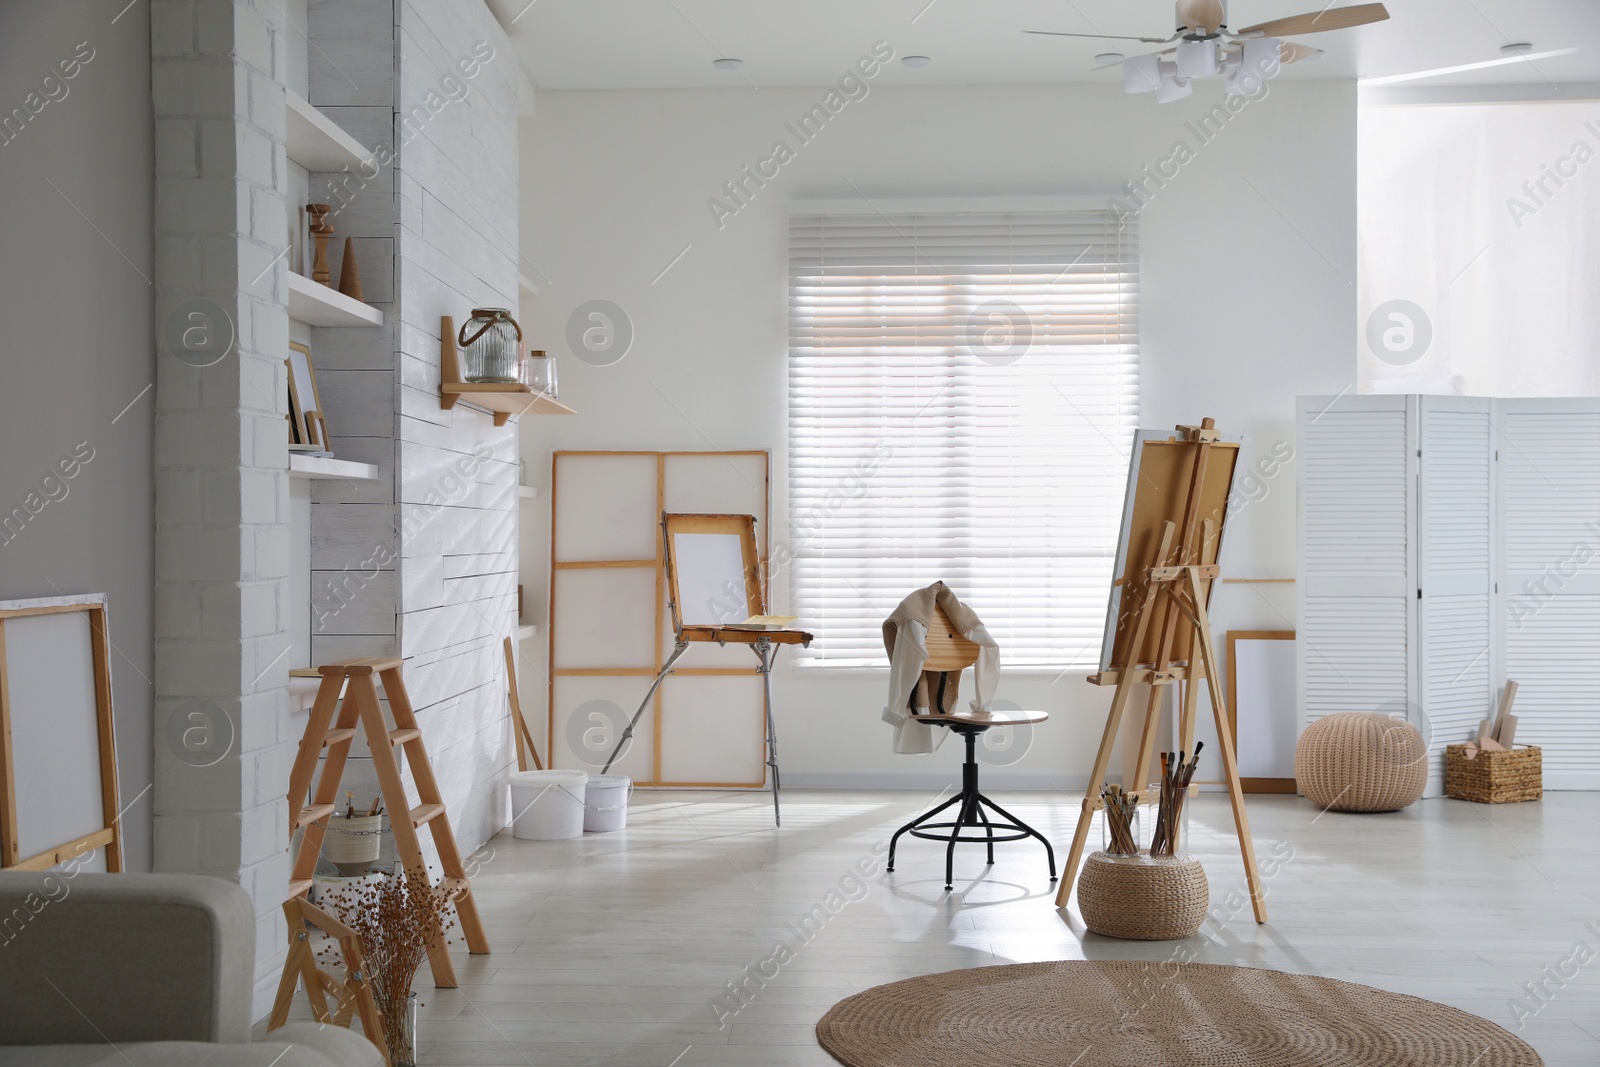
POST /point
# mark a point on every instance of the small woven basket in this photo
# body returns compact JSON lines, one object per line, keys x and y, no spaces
{"x":1494,"y":777}
{"x":1143,"y":897}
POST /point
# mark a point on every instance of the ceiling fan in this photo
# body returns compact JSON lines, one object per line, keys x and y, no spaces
{"x":1203,"y":46}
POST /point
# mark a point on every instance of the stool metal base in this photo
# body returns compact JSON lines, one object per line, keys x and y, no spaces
{"x":971,"y":815}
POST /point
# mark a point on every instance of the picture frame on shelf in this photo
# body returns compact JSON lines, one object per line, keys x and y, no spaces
{"x":308,"y":430}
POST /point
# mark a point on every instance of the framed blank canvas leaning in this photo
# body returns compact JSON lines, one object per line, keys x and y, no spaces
{"x":307,"y":428}
{"x":58,"y":760}
{"x":1261,"y":707}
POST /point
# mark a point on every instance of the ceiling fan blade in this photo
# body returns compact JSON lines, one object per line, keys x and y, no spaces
{"x":1099,"y":36}
{"x":1290,"y":52}
{"x":1339,"y":18}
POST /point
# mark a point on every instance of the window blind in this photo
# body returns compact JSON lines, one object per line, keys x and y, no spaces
{"x":963,"y":393}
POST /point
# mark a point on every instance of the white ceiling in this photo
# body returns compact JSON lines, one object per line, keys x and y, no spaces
{"x":649,"y":44}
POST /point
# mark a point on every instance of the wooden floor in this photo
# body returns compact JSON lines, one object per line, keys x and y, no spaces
{"x":625,"y":948}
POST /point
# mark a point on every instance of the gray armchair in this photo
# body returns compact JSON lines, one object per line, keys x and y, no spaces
{"x":141,"y":969}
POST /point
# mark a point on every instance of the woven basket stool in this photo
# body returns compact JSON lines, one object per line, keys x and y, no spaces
{"x":1357,"y":761}
{"x":1143,"y":897}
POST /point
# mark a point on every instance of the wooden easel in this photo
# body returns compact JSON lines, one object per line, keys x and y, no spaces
{"x":354,"y":994}
{"x":519,"y":725}
{"x":1173,"y":591}
{"x":360,"y":707}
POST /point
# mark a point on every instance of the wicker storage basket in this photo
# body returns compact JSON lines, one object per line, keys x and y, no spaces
{"x":1494,"y":777}
{"x":1143,"y":897}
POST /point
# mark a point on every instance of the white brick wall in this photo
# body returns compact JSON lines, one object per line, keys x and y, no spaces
{"x":221,"y":484}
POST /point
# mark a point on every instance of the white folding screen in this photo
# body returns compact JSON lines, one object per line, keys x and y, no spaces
{"x":1445,"y":546}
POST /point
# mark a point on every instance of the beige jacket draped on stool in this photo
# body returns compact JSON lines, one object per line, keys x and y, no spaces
{"x":913,"y":691}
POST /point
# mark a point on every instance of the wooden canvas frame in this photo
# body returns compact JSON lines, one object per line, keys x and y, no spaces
{"x":657,"y":563}
{"x":1251,"y":785}
{"x":740,"y":526}
{"x":109,"y":835}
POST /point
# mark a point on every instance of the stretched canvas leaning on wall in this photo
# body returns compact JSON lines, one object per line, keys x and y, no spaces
{"x":58,"y":758}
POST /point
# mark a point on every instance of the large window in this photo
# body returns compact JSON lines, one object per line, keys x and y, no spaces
{"x":963,"y":392}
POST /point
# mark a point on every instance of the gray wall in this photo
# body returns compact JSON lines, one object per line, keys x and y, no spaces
{"x":77,"y":338}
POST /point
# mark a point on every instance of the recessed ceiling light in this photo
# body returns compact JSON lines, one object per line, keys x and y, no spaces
{"x":727,"y":64}
{"x":915,"y":61}
{"x":1106,"y":58}
{"x":1516,"y":48}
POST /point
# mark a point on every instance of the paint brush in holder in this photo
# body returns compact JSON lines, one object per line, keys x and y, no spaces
{"x":1121,"y":821}
{"x":1176,"y":773}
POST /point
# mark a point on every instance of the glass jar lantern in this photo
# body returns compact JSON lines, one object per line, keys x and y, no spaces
{"x":490,"y":341}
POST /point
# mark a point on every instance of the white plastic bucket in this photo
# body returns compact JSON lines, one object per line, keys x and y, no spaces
{"x":605,"y":805}
{"x":547,"y":805}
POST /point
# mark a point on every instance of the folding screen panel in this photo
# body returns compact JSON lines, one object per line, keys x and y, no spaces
{"x":1357,"y":554}
{"x":610,"y":628}
{"x":1549,"y":485}
{"x":1455,"y":543}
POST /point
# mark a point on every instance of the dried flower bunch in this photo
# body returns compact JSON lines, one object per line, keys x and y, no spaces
{"x":396,"y":917}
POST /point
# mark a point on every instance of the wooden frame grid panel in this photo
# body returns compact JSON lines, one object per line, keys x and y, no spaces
{"x":657,"y":563}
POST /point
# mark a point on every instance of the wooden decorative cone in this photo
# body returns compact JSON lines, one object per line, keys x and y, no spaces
{"x":321,"y":230}
{"x":350,"y":272}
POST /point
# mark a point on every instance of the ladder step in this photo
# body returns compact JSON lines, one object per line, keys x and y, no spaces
{"x":335,"y":737}
{"x":400,"y":737}
{"x":312,"y":813}
{"x":299,"y":887}
{"x":424,"y":812}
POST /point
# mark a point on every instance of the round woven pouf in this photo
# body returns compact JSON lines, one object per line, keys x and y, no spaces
{"x":1143,"y":897}
{"x":1356,"y":761}
{"x":1118,"y":1013}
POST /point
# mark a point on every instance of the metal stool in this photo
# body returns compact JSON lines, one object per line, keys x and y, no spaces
{"x":971,"y":814}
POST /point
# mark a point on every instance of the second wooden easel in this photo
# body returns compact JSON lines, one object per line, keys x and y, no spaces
{"x":1161,"y":610}
{"x":360,"y":709}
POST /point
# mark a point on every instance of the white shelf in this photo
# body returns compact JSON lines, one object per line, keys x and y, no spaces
{"x":528,"y":492}
{"x":316,"y":304}
{"x":302,"y":466}
{"x":523,"y":633}
{"x":316,"y":142}
{"x":526,"y":287}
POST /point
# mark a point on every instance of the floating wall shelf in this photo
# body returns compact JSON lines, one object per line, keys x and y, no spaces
{"x":324,"y":467}
{"x":502,"y":399}
{"x":316,"y":142}
{"x":526,"y":287}
{"x":526,"y":633}
{"x":316,"y":304}
{"x":528,"y":492}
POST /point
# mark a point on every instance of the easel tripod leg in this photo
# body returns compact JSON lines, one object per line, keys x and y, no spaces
{"x":666,"y":668}
{"x":767,"y":652}
{"x":1230,"y":765}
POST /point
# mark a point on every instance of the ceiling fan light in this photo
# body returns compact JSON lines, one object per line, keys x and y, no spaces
{"x":1263,"y":56}
{"x":1197,"y":59}
{"x":1141,"y":74}
{"x":1173,"y":88}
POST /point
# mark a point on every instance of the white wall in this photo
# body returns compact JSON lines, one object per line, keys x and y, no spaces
{"x":1247,"y":301}
{"x":77,"y":312}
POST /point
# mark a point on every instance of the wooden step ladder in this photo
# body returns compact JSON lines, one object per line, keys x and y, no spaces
{"x":360,"y":709}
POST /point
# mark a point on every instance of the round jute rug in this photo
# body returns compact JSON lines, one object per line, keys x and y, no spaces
{"x":1118,"y":1013}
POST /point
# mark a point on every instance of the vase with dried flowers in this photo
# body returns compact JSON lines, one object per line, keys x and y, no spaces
{"x":396,"y":918}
